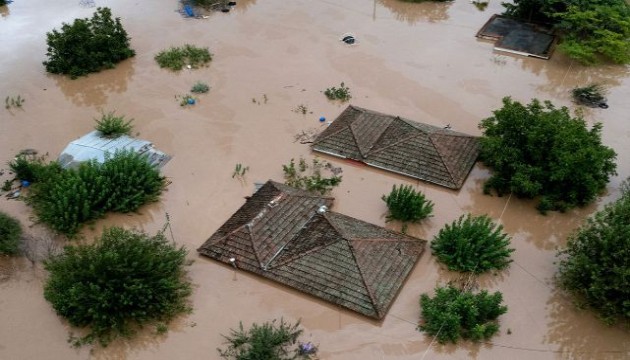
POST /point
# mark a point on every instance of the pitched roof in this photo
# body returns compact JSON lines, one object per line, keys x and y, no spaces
{"x":280,"y":234}
{"x":418,"y":150}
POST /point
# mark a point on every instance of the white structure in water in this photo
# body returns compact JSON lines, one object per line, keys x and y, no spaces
{"x":96,"y":146}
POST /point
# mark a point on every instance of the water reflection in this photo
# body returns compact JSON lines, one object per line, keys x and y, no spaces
{"x":414,"y":12}
{"x":94,"y":89}
{"x":580,"y":334}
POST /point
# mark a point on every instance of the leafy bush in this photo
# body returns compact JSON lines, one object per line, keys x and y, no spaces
{"x":88,"y":45}
{"x":595,"y":264}
{"x":33,"y":168}
{"x":453,"y":314}
{"x":298,"y":178}
{"x":591,"y":95}
{"x":472,"y":244}
{"x":176,"y":57}
{"x":269,"y":341}
{"x":113,"y":126}
{"x":407,"y":205}
{"x":123,"y":280}
{"x":539,"y":150}
{"x":200,"y":88}
{"x":10,"y":233}
{"x":590,"y":30}
{"x":122,"y":183}
{"x":342,"y":93}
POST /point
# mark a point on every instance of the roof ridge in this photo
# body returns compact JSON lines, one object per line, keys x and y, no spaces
{"x":266,"y":266}
{"x":441,"y":156}
{"x":354,"y":257}
{"x":349,"y":107}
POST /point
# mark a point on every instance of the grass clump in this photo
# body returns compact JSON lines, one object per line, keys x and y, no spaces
{"x":310,"y":177}
{"x":454,"y":314}
{"x":341,"y":93}
{"x":15,"y":102}
{"x":10,"y":234}
{"x":124,"y":280}
{"x":112,"y":126}
{"x":177,"y":57}
{"x":407,"y":205}
{"x":270,"y":341}
{"x":64,"y":199}
{"x":200,"y":88}
{"x":472,"y":244}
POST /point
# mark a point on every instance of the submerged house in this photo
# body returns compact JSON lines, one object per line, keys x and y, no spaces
{"x":95,"y":146}
{"x":421,"y":151}
{"x":289,"y":236}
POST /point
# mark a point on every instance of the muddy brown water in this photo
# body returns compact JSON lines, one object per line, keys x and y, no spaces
{"x":420,"y":61}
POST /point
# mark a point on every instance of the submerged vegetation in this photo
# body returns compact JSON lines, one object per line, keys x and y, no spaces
{"x":472,"y":244}
{"x":310,"y":177}
{"x":176,"y":58}
{"x":538,"y":150}
{"x":113,"y":126}
{"x":124,"y":280}
{"x":594,"y":266}
{"x":590,"y":95}
{"x":13,"y":102}
{"x":453,"y":314}
{"x":341,"y":93}
{"x":10,"y":234}
{"x":407,"y":205}
{"x":270,"y":341}
{"x":200,"y":88}
{"x":88,"y":45}
{"x":64,"y":199}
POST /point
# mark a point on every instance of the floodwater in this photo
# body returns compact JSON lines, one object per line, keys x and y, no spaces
{"x":419,"y":61}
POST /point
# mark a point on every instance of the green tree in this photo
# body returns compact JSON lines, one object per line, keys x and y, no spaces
{"x":407,"y":205}
{"x":472,"y":244}
{"x":595,"y":266}
{"x":124,"y":280}
{"x":539,"y":150}
{"x":113,"y":126}
{"x":10,"y":233}
{"x":453,"y":314}
{"x":88,"y":45}
{"x":589,"y":30}
{"x":269,"y":341}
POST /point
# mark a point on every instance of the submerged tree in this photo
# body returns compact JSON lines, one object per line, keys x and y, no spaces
{"x":87,"y":45}
{"x":537,"y":150}
{"x":407,"y":205}
{"x":472,"y":244}
{"x":596,"y":263}
{"x":10,"y":233}
{"x":124,"y":280}
{"x":453,"y":314}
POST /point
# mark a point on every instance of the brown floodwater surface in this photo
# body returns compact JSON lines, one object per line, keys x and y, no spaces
{"x":419,"y":61}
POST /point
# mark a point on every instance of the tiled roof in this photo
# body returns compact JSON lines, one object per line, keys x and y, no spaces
{"x":280,"y":234}
{"x":421,"y":151}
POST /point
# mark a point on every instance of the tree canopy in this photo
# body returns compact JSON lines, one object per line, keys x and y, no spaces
{"x":595,"y":266}
{"x":10,"y":233}
{"x":87,"y":45}
{"x":123,"y":280}
{"x":538,"y":150}
{"x":590,"y":29}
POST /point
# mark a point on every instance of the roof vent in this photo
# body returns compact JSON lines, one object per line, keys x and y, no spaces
{"x":322,"y":209}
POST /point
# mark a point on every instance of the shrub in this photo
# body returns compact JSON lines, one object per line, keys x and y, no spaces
{"x":33,"y":168}
{"x":113,"y":126}
{"x":88,"y":45}
{"x":269,"y":341}
{"x":176,"y":57}
{"x":342,"y":93}
{"x":539,"y":150}
{"x":594,"y":266}
{"x":298,"y":176}
{"x":123,"y":183}
{"x":472,"y":244}
{"x":407,"y":205}
{"x":453,"y":314}
{"x":200,"y":88}
{"x":124,"y":280}
{"x":10,"y":233}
